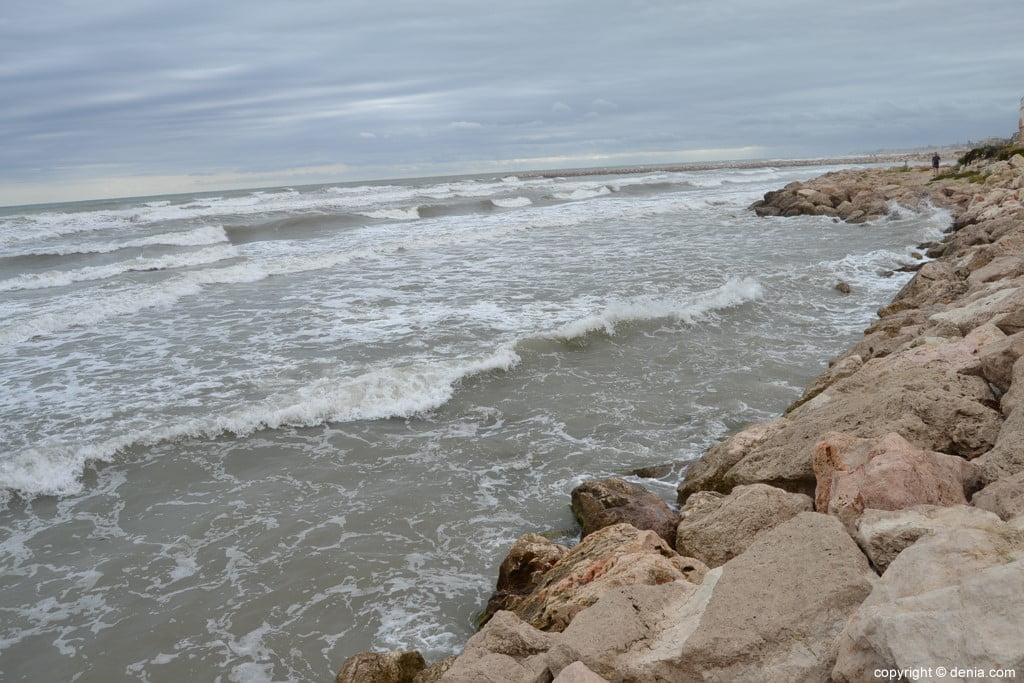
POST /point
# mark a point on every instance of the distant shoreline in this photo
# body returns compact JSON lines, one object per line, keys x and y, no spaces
{"x":891,"y":157}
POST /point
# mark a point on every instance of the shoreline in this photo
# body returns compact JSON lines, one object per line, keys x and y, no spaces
{"x":881,"y":158}
{"x":884,"y":509}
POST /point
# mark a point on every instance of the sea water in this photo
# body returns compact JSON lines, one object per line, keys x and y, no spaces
{"x":246,"y":435}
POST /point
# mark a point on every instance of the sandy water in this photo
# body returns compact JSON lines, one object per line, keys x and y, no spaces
{"x":247,"y":435}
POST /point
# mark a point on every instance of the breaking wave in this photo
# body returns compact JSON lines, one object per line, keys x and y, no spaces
{"x":388,"y":392}
{"x":511,"y":202}
{"x":406,"y":214}
{"x":60,"y":278}
{"x":733,"y":293}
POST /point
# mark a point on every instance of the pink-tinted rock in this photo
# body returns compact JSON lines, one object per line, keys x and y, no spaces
{"x":933,"y":407}
{"x":886,"y":474}
{"x":615,"y":556}
{"x":522,"y":570}
{"x":958,"y":355}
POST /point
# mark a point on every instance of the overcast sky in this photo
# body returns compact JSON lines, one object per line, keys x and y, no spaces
{"x":127,"y":97}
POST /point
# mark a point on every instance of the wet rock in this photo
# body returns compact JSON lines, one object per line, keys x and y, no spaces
{"x":611,"y":557}
{"x":522,"y":570}
{"x":707,"y":473}
{"x":604,"y":502}
{"x":381,"y":667}
{"x":715,"y":528}
{"x":656,"y":471}
{"x":843,"y":288}
{"x":435,"y":672}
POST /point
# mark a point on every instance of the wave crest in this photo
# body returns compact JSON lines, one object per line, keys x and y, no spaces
{"x":388,"y":392}
{"x":735,"y":292}
{"x":511,"y":202}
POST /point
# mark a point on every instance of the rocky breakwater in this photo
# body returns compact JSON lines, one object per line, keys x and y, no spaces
{"x":877,"y":525}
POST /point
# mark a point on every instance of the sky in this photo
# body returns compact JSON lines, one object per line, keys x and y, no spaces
{"x":112,"y":98}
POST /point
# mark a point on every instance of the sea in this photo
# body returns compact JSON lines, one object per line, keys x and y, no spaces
{"x":247,"y":434}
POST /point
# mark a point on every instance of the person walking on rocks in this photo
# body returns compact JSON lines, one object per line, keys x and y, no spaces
{"x":935,"y":163}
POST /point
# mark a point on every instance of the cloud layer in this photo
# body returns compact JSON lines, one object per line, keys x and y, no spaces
{"x":134,"y":88}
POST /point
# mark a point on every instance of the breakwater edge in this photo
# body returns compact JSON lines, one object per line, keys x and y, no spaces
{"x":876,"y":526}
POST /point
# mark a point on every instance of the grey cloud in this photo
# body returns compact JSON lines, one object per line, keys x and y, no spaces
{"x":189,"y":87}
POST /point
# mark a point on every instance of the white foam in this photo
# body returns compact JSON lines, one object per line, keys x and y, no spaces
{"x":59,"y":278}
{"x":85,"y":310}
{"x":285,"y":258}
{"x":206,"y":234}
{"x":406,"y":214}
{"x":583,"y":193}
{"x":735,"y":292}
{"x":393,"y":391}
{"x":511,"y":202}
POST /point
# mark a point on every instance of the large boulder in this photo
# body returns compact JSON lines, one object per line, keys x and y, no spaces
{"x":522,"y":570}
{"x":381,"y":667}
{"x":955,"y":598}
{"x":961,"y":355}
{"x":611,"y":557}
{"x":715,"y":528}
{"x":934,"y":407}
{"x":776,"y":610}
{"x":772,"y":613}
{"x":936,"y":282}
{"x":884,"y":534}
{"x":706,"y":474}
{"x":887,"y":473}
{"x":603,"y":502}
